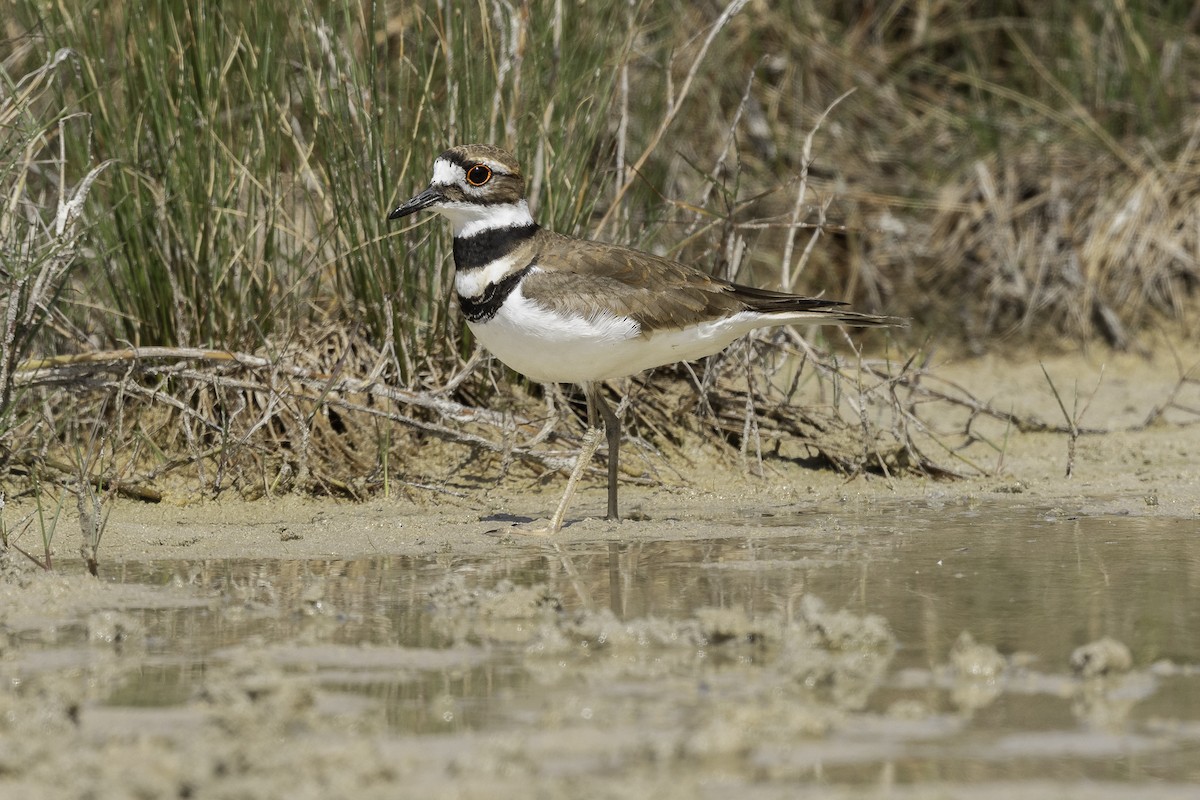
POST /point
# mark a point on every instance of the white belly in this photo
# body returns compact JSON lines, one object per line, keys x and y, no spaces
{"x":554,"y":348}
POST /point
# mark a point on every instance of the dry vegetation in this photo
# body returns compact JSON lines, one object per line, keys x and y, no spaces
{"x":200,"y":290}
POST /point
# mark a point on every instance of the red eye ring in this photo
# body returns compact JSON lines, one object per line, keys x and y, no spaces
{"x":479,"y":174}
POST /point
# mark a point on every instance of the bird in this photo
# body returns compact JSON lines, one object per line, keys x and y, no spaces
{"x":561,"y":309}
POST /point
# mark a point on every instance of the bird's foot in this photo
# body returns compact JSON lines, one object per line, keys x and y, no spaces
{"x":537,"y":527}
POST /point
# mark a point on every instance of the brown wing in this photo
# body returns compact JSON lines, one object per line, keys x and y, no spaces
{"x":657,"y":292}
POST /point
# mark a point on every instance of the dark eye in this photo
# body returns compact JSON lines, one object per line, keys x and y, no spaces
{"x":478,"y":175}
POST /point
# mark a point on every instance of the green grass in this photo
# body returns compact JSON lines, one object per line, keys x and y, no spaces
{"x":256,"y":147}
{"x":238,"y":161}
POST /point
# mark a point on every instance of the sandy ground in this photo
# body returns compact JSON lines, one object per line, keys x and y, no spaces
{"x":1127,"y":469}
{"x":258,"y":727}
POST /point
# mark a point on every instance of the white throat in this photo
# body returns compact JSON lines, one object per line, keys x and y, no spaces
{"x":468,"y":219}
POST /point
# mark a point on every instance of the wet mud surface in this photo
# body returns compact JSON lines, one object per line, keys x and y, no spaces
{"x":916,"y":650}
{"x":799,"y":635}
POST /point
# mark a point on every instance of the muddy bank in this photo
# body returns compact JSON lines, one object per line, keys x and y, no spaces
{"x":800,"y":634}
{"x":933,"y":651}
{"x":1125,"y":469}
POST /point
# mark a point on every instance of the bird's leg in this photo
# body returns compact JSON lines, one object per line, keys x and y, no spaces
{"x":587,"y":449}
{"x":612,"y":428}
{"x":591,"y":405}
{"x":591,"y":441}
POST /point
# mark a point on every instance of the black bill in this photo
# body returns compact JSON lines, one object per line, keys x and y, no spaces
{"x":425,"y":199}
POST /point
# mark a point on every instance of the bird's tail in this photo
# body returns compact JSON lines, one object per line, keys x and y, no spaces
{"x":833,"y":315}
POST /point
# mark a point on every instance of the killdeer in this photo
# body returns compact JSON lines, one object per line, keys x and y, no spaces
{"x":558,"y":309}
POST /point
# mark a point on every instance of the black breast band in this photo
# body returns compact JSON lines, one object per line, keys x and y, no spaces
{"x":483,"y":248}
{"x":485,"y":306}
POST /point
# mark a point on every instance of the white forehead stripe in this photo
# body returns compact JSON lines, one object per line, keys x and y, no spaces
{"x":447,"y":173}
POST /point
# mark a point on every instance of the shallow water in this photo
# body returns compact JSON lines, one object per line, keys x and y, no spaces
{"x":719,"y":661}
